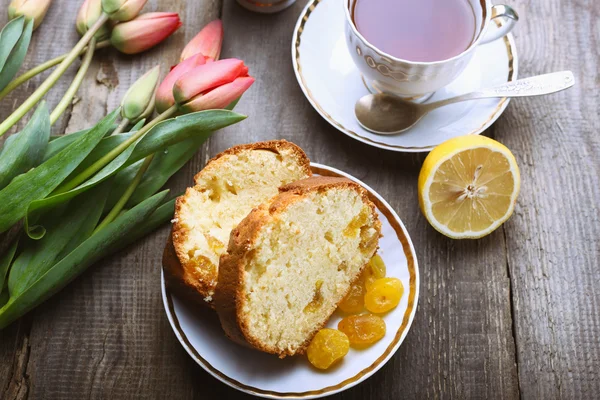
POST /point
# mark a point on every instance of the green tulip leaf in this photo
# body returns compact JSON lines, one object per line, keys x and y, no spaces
{"x":57,"y":143}
{"x":66,"y":229}
{"x":180,"y":128}
{"x":55,"y":199}
{"x":77,"y":261}
{"x":105,"y":145}
{"x":9,"y":36}
{"x":160,"y":216}
{"x":37,"y":183}
{"x":4,"y":296}
{"x":164,"y":165}
{"x":5,"y":261}
{"x":17,"y":55}
{"x":24,"y":150}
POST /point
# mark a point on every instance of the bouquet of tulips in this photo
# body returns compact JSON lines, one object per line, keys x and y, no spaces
{"x":66,"y":201}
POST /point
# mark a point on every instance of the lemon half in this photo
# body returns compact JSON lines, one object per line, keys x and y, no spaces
{"x":468,"y":186}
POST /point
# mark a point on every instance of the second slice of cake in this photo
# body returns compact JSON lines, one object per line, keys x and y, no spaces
{"x":292,"y":260}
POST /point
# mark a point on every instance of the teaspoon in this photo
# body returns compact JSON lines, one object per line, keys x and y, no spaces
{"x":387,"y":115}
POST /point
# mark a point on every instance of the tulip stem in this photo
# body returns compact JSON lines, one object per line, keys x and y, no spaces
{"x":121,"y":127}
{"x":70,"y":93}
{"x":118,"y":207}
{"x":111,"y":155}
{"x":53,"y":78}
{"x":21,"y":79}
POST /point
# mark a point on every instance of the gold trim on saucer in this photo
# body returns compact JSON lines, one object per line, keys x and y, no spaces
{"x":406,"y":320}
{"x":303,"y":19}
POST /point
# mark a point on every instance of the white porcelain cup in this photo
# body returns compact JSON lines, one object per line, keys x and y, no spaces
{"x":385,"y":73}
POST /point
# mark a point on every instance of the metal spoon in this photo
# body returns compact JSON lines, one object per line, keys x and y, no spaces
{"x":387,"y":115}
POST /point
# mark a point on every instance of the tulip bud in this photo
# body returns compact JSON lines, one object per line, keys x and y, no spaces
{"x":88,"y":14}
{"x":140,"y":95}
{"x":212,"y":85}
{"x":164,"y":93}
{"x":123,"y":10}
{"x":219,"y":97}
{"x":35,"y":9}
{"x":208,"y":42}
{"x":144,"y":31}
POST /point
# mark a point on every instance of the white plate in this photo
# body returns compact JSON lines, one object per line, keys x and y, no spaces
{"x":265,"y":375}
{"x":333,"y":84}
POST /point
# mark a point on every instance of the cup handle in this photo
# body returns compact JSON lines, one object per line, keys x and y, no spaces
{"x":510,"y":17}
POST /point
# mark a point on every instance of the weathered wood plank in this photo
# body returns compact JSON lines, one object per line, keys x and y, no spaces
{"x":553,"y":240}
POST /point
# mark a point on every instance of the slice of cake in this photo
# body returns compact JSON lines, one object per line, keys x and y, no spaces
{"x":292,"y":260}
{"x":225,"y":191}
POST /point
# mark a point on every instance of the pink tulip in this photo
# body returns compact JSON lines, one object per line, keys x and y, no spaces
{"x":219,"y":97}
{"x":212,"y":85}
{"x":144,"y":31}
{"x":208,"y":42}
{"x":164,"y":93}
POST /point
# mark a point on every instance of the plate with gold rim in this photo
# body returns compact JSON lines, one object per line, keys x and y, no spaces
{"x":265,"y":375}
{"x":332,"y":83}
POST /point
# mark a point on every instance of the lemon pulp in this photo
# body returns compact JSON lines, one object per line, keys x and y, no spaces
{"x":468,"y":186}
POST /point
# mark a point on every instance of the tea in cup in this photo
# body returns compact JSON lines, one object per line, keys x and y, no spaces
{"x":411,"y":48}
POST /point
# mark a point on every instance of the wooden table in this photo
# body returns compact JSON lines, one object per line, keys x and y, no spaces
{"x":515,"y":314}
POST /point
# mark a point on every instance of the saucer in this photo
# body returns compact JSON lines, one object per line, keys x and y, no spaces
{"x":332,"y":83}
{"x":265,"y":375}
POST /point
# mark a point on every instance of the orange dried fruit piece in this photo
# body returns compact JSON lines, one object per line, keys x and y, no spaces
{"x":327,"y":347}
{"x":374,"y":270}
{"x":384,"y":295}
{"x":354,"y":302}
{"x":363,"y":329}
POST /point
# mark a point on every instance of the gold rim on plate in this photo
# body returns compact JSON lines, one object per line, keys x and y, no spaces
{"x":411,"y":260}
{"x":296,"y":38}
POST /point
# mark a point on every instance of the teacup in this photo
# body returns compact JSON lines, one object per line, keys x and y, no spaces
{"x":388,"y":74}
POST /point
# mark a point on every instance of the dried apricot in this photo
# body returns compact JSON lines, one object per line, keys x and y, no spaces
{"x":354,"y":302}
{"x":374,"y":270}
{"x":363,"y":329}
{"x":383,"y":295}
{"x":327,"y":347}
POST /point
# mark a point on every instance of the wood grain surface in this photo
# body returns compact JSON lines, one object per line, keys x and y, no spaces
{"x":515,"y":314}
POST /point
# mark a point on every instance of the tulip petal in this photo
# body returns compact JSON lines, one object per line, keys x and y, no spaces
{"x":35,"y":9}
{"x":139,"y":95}
{"x":164,"y":93}
{"x":123,"y":10}
{"x":206,"y":77}
{"x":88,"y":14}
{"x":219,"y":97}
{"x":144,"y":32}
{"x":208,"y":42}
